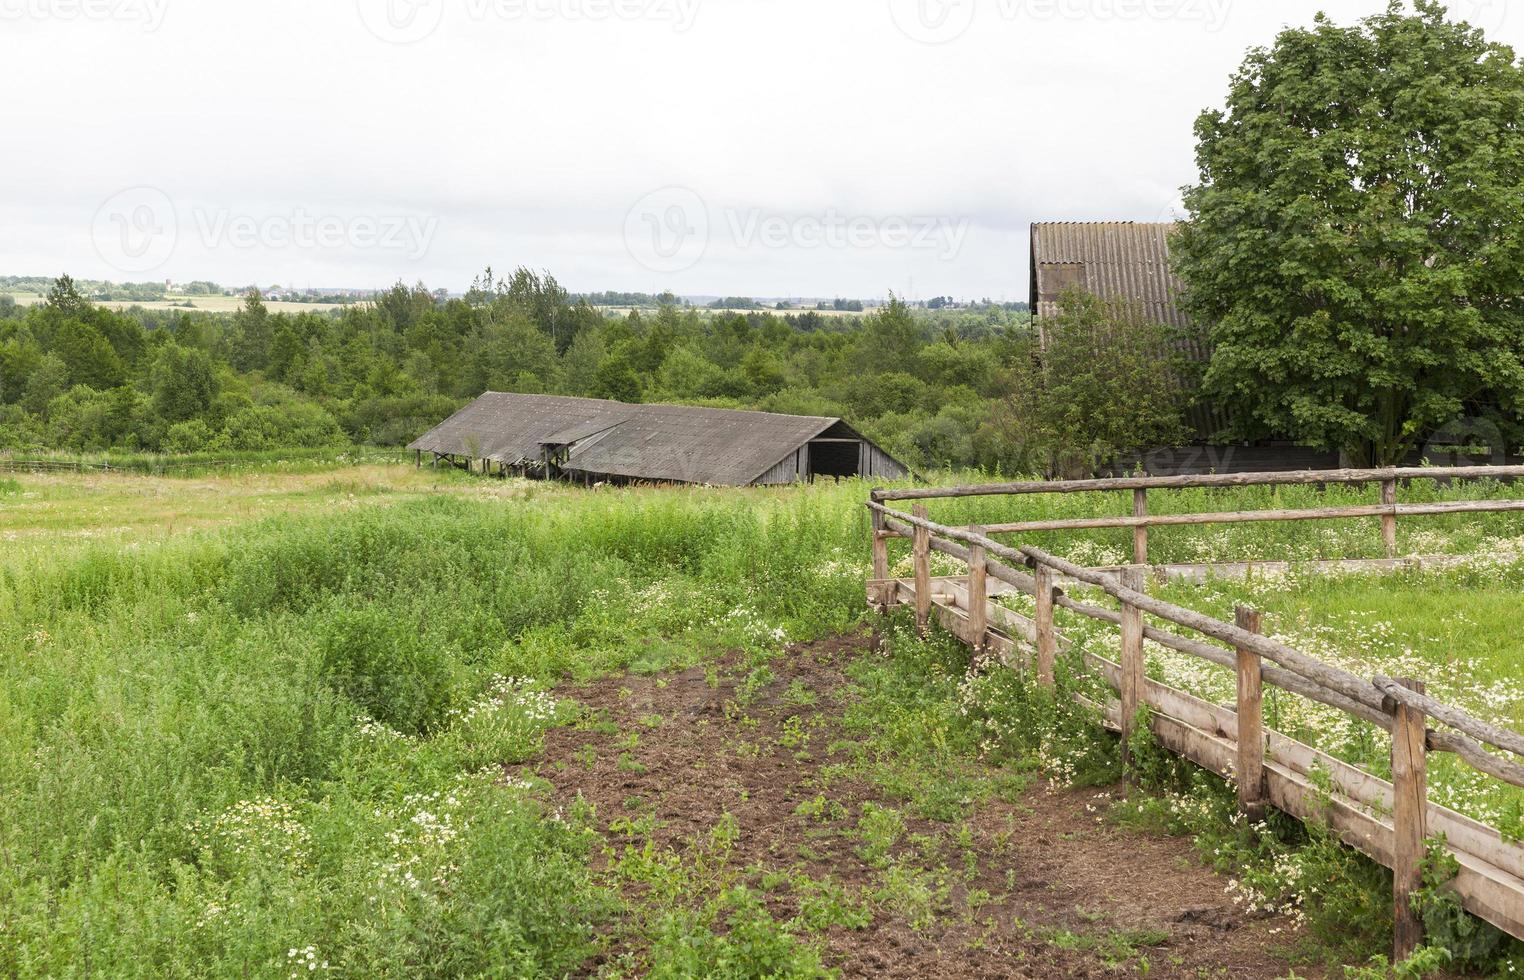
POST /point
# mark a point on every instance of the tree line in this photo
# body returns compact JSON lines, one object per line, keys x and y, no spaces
{"x":936,"y":388}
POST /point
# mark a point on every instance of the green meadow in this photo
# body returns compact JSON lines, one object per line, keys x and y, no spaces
{"x":277,"y":723}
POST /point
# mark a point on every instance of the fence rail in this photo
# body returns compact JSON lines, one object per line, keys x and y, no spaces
{"x":1389,"y":821}
{"x":1389,"y":510}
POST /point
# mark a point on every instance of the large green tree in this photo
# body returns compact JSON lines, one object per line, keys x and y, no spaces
{"x":251,"y":334}
{"x":183,"y":382}
{"x":1354,"y":244}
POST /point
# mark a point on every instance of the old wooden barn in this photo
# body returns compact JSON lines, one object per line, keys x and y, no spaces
{"x":589,"y":440}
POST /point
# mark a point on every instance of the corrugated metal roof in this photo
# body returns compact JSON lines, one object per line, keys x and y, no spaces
{"x":665,"y":443}
{"x":1120,"y":260}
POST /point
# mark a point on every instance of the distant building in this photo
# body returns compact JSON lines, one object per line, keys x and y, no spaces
{"x":1116,"y":260}
{"x":591,"y":440}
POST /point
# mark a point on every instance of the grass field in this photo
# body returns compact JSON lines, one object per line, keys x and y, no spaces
{"x":377,"y":721}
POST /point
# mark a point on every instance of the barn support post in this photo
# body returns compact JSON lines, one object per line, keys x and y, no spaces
{"x":1133,"y":672}
{"x":1410,"y":804}
{"x":1251,"y":723}
{"x":922,"y":572}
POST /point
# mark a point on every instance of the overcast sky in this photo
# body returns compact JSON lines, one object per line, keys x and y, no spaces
{"x":736,"y":147}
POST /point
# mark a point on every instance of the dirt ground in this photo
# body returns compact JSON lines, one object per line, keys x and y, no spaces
{"x":1041,"y":884}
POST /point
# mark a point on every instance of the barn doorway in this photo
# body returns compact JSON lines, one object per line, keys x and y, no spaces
{"x":839,"y":459}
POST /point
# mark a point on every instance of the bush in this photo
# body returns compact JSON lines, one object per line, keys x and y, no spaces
{"x":293,"y":425}
{"x":187,"y":437}
{"x":1106,"y":380}
{"x":387,"y":667}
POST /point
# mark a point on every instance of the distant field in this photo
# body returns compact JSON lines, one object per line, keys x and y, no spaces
{"x":204,"y":304}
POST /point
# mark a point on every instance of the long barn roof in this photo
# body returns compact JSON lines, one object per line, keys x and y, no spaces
{"x":663,"y":443}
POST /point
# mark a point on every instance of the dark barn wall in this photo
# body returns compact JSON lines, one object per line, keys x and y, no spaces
{"x":865,"y":460}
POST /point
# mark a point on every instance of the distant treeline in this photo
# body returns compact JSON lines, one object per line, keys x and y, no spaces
{"x":76,"y":376}
{"x":647,"y":300}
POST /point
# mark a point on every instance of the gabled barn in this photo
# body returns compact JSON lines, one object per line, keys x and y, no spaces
{"x":591,"y":440}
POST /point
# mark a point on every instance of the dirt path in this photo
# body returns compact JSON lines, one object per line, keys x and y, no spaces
{"x":1037,"y":884}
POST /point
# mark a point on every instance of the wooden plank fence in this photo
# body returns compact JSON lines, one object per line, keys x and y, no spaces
{"x":1392,"y":822}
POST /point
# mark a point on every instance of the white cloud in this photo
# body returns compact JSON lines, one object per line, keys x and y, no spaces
{"x":510,"y":132}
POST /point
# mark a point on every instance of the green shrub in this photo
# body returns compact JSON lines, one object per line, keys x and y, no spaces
{"x":187,"y":437}
{"x":387,"y":666}
{"x":755,"y":946}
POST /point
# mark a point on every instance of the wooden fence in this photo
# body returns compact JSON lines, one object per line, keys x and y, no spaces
{"x":1391,"y":822}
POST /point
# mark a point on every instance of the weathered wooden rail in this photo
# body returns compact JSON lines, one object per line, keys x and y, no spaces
{"x":1392,"y":822}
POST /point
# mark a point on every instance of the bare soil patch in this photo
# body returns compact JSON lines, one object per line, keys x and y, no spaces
{"x":1037,"y":884}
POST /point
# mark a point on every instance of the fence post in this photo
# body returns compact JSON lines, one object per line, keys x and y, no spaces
{"x":881,"y":558}
{"x":1047,"y":641}
{"x":1251,"y":723}
{"x":1389,"y":521}
{"x":922,"y":572}
{"x":1410,"y":782}
{"x":1140,"y":534}
{"x":1133,"y":677}
{"x":978,"y":594}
